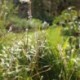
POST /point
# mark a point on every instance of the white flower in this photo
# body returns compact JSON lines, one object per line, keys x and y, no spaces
{"x":26,"y":29}
{"x":45,"y":24}
{"x":69,"y":8}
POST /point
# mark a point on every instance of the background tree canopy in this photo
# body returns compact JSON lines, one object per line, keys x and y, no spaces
{"x":46,"y":9}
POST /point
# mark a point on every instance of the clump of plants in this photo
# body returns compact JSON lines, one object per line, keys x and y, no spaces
{"x":19,"y":24}
{"x":21,"y":59}
{"x":43,"y":54}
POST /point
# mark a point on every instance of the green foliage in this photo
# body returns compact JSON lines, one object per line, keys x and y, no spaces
{"x":18,"y":22}
{"x":54,"y":36}
{"x":34,"y":24}
{"x":20,"y":60}
{"x":30,"y":24}
{"x":49,"y":54}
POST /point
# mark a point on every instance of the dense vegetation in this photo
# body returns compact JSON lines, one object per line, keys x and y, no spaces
{"x":31,"y":49}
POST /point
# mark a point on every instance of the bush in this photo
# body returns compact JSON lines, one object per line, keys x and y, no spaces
{"x":23,"y":24}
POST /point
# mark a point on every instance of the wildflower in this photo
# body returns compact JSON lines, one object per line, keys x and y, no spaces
{"x":45,"y":25}
{"x":26,"y":29}
{"x":70,"y":8}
